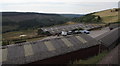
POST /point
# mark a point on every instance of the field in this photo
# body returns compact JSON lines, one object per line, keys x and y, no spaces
{"x":16,"y":34}
{"x":31,"y":35}
{"x":108,"y":16}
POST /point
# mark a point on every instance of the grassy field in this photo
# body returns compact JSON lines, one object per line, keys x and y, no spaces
{"x":16,"y":34}
{"x":31,"y":35}
{"x":108,"y":16}
{"x":92,"y":60}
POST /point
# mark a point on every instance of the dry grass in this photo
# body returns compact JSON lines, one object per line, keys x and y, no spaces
{"x":16,"y":34}
{"x":69,"y":23}
{"x":108,"y":16}
{"x":110,"y":19}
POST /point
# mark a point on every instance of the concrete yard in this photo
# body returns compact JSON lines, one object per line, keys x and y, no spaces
{"x":97,"y":33}
{"x":93,"y":34}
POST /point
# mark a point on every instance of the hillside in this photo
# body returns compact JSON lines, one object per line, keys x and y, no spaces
{"x":12,"y":21}
{"x":26,"y":20}
{"x":21,"y":16}
{"x":108,"y":16}
{"x":89,"y":18}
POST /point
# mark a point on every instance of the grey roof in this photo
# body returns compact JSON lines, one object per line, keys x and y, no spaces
{"x":42,"y":49}
{"x":114,"y":25}
{"x":110,"y":37}
{"x":58,"y":29}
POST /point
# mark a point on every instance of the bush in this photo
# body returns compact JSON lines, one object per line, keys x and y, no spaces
{"x":5,"y":43}
{"x":88,"y":18}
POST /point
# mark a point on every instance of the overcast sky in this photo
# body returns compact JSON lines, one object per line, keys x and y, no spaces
{"x":57,"y":6}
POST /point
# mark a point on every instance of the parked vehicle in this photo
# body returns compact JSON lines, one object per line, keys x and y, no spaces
{"x":85,"y":31}
{"x":64,"y":33}
{"x":69,"y":33}
{"x":76,"y":32}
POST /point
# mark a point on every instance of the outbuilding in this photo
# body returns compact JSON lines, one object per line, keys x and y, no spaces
{"x":51,"y":51}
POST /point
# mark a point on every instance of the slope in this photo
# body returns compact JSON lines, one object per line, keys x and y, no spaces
{"x":109,"y":16}
{"x":26,"y":20}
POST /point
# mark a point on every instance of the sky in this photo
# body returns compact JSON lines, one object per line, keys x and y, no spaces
{"x":57,"y":6}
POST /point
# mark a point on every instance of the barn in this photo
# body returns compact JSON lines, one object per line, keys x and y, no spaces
{"x":58,"y":29}
{"x":110,"y":39}
{"x":56,"y":50}
{"x":62,"y":49}
{"x":112,"y":26}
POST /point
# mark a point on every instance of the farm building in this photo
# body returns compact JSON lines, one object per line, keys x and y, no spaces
{"x":58,"y":29}
{"x":58,"y":50}
{"x":112,"y":26}
{"x":62,"y":49}
{"x":110,"y":39}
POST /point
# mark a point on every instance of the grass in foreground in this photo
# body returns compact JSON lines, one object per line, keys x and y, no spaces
{"x":92,"y":60}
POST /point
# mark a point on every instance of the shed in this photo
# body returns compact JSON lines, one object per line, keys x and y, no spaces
{"x":58,"y":50}
{"x":112,"y":26}
{"x":110,"y":39}
{"x":58,"y":29}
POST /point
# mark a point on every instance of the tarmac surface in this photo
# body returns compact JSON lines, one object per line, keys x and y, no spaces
{"x":97,"y":33}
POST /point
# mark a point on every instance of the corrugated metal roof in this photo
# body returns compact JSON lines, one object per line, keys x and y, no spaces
{"x":58,"y":29}
{"x":81,"y":39}
{"x":4,"y":54}
{"x":49,"y":45}
{"x":33,"y":51}
{"x":28,"y":50}
{"x":110,"y":37}
{"x":67,"y":42}
{"x":114,"y":25}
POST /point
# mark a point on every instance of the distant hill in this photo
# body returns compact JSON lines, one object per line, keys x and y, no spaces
{"x":26,"y":20}
{"x":72,"y":15}
{"x":21,"y":16}
{"x":106,"y":16}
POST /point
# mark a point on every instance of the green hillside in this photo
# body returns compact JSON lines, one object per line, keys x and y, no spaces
{"x":89,"y":18}
{"x":106,"y":16}
{"x":109,"y":16}
{"x":12,"y":21}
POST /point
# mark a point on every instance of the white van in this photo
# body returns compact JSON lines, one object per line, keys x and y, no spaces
{"x":64,"y":33}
